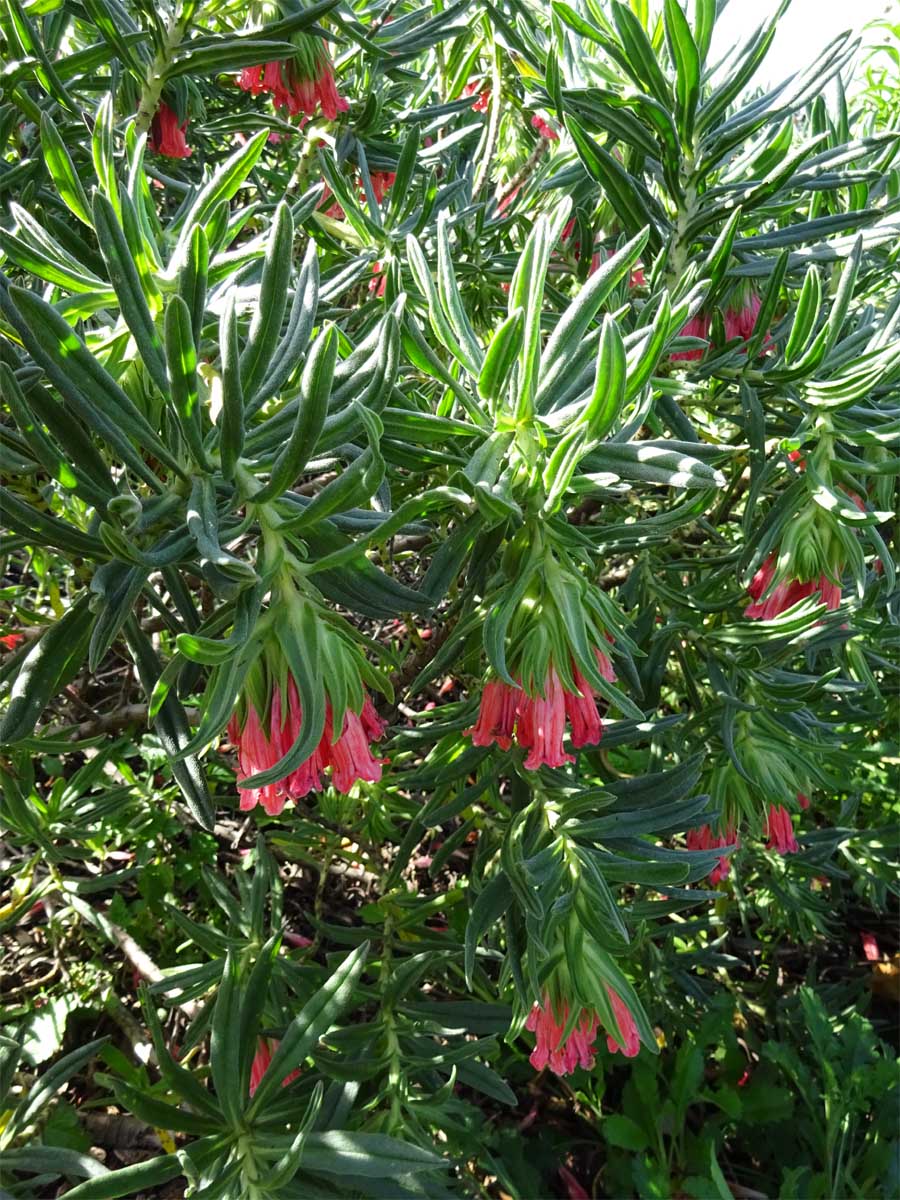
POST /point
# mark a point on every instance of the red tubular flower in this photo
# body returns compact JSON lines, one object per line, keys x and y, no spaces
{"x":739,"y":322}
{"x":803,"y":800}
{"x":787,"y":593}
{"x":381,"y":181}
{"x":378,"y":281}
{"x":496,"y":715}
{"x":484,"y":97}
{"x":541,"y":725}
{"x":261,"y":1059}
{"x":870,"y":946}
{"x":548,"y":1024}
{"x":698,"y":327}
{"x":547,"y":132}
{"x":11,"y":640}
{"x":703,"y":839}
{"x":350,"y":755}
{"x":539,"y":722}
{"x":628,"y":1042}
{"x":780,"y":831}
{"x":167,"y":136}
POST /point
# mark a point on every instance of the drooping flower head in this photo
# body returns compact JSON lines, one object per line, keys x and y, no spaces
{"x":703,"y":838}
{"x":780,"y":831}
{"x":301,"y":84}
{"x":166,"y":136}
{"x":739,"y":320}
{"x":547,"y":683}
{"x":538,"y":721}
{"x":269,"y":720}
{"x":564,"y":1053}
{"x":770,"y":601}
{"x":260,"y":746}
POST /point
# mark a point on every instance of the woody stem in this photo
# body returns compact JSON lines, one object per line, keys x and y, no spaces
{"x":156,"y":76}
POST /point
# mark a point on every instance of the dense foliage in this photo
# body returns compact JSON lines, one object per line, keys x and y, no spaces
{"x":449,"y":616}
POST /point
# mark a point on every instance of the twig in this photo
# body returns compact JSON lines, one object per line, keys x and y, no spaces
{"x":146,"y":967}
{"x":129,"y":714}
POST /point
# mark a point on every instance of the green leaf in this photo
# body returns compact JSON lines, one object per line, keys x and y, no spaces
{"x":225,"y":1044}
{"x":231,"y":421}
{"x":183,"y":383}
{"x":80,"y":378}
{"x":620,"y":1130}
{"x":640,"y":56}
{"x":686,"y":57}
{"x":203,"y":526}
{"x":723,"y":1191}
{"x":367,"y":1155}
{"x":490,"y":905}
{"x":126,"y":281}
{"x":129,"y":1181}
{"x":48,"y":666}
{"x":312,"y":407}
{"x":608,"y":395}
{"x":265,"y":328}
{"x":62,"y":171}
{"x":226,"y":54}
{"x":620,"y":188}
{"x":223,"y":185}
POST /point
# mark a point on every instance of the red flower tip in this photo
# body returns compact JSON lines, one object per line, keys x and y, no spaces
{"x":547,"y":132}
{"x":703,"y":839}
{"x":870,"y":946}
{"x":167,"y":136}
{"x":261,"y":1059}
{"x":484,"y":98}
{"x":787,"y":593}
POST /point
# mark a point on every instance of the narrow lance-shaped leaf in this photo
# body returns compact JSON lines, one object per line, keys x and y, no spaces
{"x":316,"y":1017}
{"x":608,"y":395}
{"x":62,"y":171}
{"x":231,"y":419}
{"x":265,"y":328}
{"x":184,"y":384}
{"x":312,"y":407}
{"x":686,"y":58}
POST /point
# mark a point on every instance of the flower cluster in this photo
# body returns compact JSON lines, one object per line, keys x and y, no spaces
{"x":704,"y":839}
{"x":770,"y":602}
{"x":739,"y":322}
{"x":484,"y":95}
{"x":538,"y":722}
{"x":780,"y":831}
{"x":349,"y":755}
{"x":563,"y":1054}
{"x":300,"y":84}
